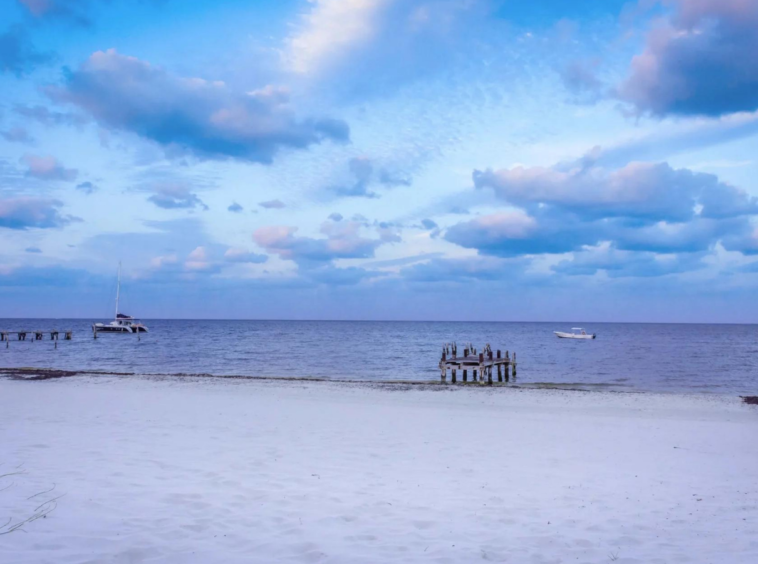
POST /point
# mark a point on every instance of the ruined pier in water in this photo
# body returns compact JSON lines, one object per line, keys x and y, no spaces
{"x":482,"y":364}
{"x":5,"y":336}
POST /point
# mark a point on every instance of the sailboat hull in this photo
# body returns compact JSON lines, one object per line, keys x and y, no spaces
{"x":102,"y":328}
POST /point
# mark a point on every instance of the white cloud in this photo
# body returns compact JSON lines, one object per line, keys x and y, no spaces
{"x":198,"y":260}
{"x":163,"y":261}
{"x":238,"y":255}
{"x":330,"y":30}
{"x":364,"y":47}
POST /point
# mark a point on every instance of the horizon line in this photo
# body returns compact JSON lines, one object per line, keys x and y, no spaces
{"x":400,"y":320}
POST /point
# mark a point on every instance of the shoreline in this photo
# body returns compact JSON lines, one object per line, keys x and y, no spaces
{"x":40,"y":374}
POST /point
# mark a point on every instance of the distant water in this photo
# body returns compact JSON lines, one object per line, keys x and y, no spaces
{"x":634,"y":357}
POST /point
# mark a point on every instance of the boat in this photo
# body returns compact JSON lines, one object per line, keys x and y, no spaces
{"x":576,"y":333}
{"x":123,"y":323}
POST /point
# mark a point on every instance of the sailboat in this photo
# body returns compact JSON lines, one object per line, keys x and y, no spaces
{"x":123,"y":323}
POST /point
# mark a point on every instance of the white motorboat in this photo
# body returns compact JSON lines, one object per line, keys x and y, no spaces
{"x":576,"y":333}
{"x":123,"y":323}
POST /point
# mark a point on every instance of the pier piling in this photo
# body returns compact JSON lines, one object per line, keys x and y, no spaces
{"x":482,"y":368}
{"x":499,"y":368}
{"x":34,"y":336}
{"x":482,"y":364}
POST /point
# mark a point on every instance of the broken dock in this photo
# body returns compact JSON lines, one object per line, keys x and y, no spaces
{"x":482,"y":364}
{"x":5,"y":336}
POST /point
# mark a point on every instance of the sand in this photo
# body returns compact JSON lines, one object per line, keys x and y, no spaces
{"x":205,"y":471}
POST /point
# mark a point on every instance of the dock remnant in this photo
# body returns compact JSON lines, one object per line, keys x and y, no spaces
{"x":482,"y":364}
{"x":5,"y":336}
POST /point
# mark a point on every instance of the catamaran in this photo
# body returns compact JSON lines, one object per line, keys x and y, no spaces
{"x":123,"y":323}
{"x":576,"y":333}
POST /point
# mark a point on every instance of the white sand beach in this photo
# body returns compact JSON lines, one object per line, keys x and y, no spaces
{"x":241,"y":471}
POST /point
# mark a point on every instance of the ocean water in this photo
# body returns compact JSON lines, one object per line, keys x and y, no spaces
{"x":633,"y":357}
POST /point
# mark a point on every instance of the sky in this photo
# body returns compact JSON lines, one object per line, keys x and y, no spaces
{"x":482,"y":160}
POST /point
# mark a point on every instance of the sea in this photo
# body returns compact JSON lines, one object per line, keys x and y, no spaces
{"x":632,"y":357}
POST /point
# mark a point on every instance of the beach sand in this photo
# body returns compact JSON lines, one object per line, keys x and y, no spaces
{"x":183,"y":470}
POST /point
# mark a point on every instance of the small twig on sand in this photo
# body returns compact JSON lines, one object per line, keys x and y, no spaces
{"x":41,"y":493}
{"x":16,"y":472}
{"x":54,"y":500}
{"x":40,"y":512}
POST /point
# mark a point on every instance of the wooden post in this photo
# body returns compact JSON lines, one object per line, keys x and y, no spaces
{"x":454,"y":379}
{"x":465,"y":375}
{"x":482,"y":368}
{"x":514,"y":365}
{"x":443,"y":366}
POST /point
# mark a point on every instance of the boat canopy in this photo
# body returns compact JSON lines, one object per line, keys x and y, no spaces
{"x":123,"y":316}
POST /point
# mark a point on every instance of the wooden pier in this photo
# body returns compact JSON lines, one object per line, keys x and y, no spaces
{"x":35,"y":336}
{"x":481,"y":364}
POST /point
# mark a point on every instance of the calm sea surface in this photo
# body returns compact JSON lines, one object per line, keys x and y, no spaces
{"x":653,"y":357}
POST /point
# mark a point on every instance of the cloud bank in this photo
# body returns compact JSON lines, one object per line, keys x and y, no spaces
{"x":702,"y":60}
{"x":342,"y":241}
{"x":175,"y":196}
{"x":25,"y":213}
{"x":190,"y":115}
{"x":335,"y":41}
{"x":648,"y":207}
{"x":47,"y":168}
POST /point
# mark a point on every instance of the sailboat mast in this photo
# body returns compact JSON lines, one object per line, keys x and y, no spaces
{"x":118,"y":288}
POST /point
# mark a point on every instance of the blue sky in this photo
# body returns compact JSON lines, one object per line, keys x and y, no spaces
{"x":380,"y":159}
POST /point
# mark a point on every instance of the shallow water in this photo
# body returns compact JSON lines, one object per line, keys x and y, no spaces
{"x":650,"y":357}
